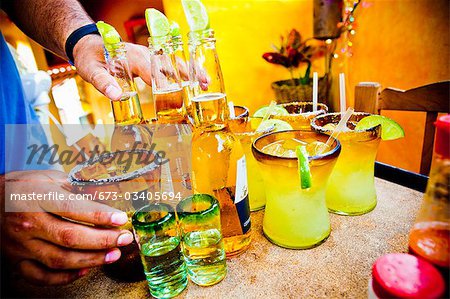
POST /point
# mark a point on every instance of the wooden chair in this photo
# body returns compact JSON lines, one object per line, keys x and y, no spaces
{"x":432,"y":99}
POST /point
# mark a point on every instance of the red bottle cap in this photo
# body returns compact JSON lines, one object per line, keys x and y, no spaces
{"x":442,"y":140}
{"x":401,"y":275}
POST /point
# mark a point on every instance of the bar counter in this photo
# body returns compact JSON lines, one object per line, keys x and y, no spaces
{"x":340,"y":267}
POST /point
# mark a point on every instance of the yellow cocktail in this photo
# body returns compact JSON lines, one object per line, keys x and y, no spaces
{"x":351,"y":189}
{"x":246,"y":132}
{"x":301,"y":114}
{"x":294,"y":217}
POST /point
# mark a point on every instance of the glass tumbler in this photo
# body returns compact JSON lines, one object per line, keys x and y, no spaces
{"x":351,"y":189}
{"x":202,"y":243}
{"x":122,"y":180}
{"x":247,"y":133}
{"x":156,"y":231}
{"x":294,"y":218}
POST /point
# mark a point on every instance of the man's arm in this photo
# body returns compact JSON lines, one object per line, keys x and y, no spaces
{"x":50,"y":22}
{"x":47,"y":22}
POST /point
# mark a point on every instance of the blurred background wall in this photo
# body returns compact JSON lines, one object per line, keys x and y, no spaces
{"x":401,"y":44}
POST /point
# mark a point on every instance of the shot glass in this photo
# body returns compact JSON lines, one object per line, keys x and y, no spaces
{"x":156,"y":231}
{"x":202,"y":246}
{"x":301,"y":114}
{"x":246,"y":132}
{"x":351,"y":189}
{"x":294,"y":218}
{"x":121,"y":180}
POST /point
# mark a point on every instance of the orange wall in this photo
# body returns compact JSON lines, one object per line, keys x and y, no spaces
{"x":401,"y":43}
{"x":244,"y":31}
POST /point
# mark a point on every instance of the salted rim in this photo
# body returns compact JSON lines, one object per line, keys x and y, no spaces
{"x":310,"y":158}
{"x":323,"y":130}
{"x":123,"y":177}
{"x":305,"y":113}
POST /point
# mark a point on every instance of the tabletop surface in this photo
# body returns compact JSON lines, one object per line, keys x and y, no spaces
{"x":340,"y":267}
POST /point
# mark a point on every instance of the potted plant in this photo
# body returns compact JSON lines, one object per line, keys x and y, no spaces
{"x":292,"y":53}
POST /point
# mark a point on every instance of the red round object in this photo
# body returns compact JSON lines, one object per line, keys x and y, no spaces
{"x":442,"y":140}
{"x":401,"y":275}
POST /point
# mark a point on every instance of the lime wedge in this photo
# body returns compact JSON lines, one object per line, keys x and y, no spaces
{"x":174,"y":29}
{"x":276,"y":124}
{"x":390,"y":130}
{"x":276,"y":110}
{"x":109,"y":34}
{"x":157,"y":22}
{"x":303,"y":167}
{"x":196,"y":14}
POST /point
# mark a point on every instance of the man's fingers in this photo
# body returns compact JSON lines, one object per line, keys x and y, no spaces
{"x":86,"y":211}
{"x":77,"y":236}
{"x":56,"y":257}
{"x":90,"y":64}
{"x":139,"y":59}
{"x":40,"y":275}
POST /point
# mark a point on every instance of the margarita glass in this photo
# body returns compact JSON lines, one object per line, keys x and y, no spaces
{"x":294,"y":217}
{"x":351,"y":189}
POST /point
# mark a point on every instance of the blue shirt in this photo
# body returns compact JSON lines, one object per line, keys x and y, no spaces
{"x":14,"y":109}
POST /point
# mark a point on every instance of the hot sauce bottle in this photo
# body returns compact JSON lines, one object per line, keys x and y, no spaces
{"x":429,"y":237}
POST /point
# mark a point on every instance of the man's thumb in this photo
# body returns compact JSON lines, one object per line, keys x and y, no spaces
{"x":105,"y":83}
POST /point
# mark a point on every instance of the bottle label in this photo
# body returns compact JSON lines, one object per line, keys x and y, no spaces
{"x":241,"y":195}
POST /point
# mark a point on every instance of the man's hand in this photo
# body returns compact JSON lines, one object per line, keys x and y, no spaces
{"x":45,"y":247}
{"x":91,"y":66}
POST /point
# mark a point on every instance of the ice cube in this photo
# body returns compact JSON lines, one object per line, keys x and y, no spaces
{"x":317,"y":148}
{"x":289,"y":154}
{"x":275,"y":149}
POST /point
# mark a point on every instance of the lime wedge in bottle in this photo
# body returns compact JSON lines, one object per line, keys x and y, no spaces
{"x":276,"y":110}
{"x":276,"y":124}
{"x":196,"y":14}
{"x":157,"y":23}
{"x":304,"y":171}
{"x":109,"y":34}
{"x":390,"y":130}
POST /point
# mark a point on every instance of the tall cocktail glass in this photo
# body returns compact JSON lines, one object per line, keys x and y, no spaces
{"x":351,"y":189}
{"x":294,"y":217}
{"x":301,"y":114}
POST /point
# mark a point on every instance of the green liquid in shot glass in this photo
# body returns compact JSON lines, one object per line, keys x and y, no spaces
{"x":164,"y":267}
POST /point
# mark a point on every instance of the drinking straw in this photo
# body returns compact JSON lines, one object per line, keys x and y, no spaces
{"x":267,"y":115}
{"x":231,"y":108}
{"x":315,"y":90}
{"x":341,"y":125}
{"x":342,"y":92}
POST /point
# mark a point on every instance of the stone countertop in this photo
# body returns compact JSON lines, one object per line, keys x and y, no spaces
{"x":340,"y":267}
